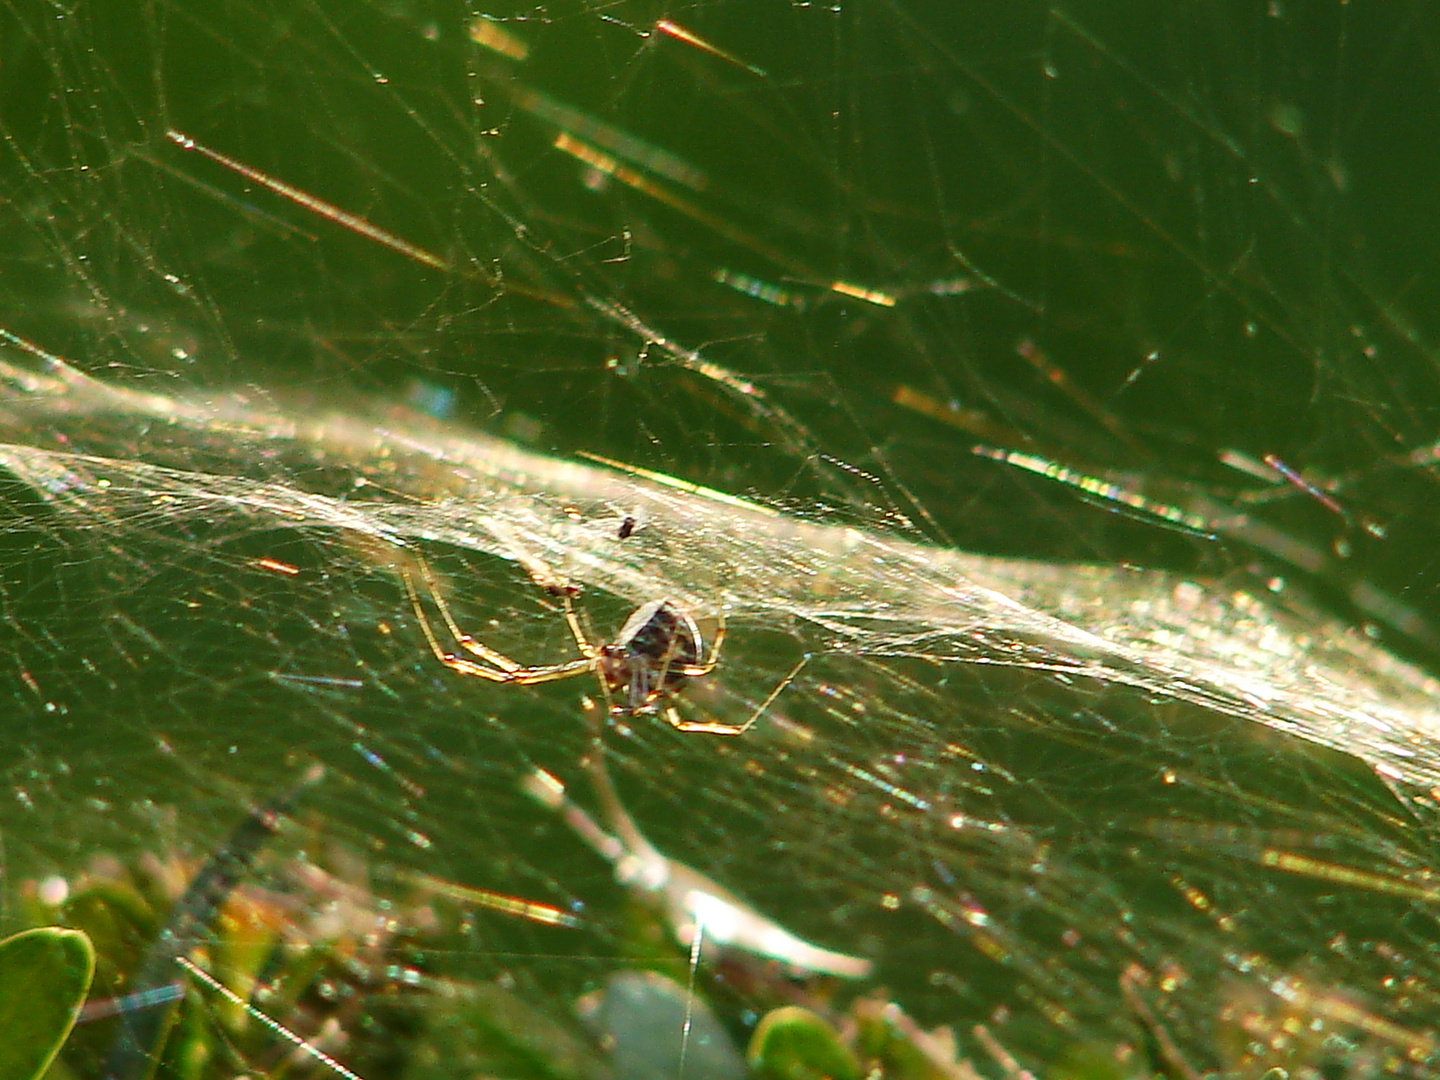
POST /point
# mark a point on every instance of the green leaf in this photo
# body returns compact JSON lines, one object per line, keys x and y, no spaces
{"x":44,"y":977}
{"x":792,"y":1043}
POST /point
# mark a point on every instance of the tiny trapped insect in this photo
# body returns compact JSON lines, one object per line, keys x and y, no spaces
{"x":656,"y":652}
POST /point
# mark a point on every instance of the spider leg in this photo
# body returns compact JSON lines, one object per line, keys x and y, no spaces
{"x":582,"y":640}
{"x":524,"y":676}
{"x":701,"y":727}
{"x":712,"y":657}
{"x":497,"y":666}
{"x":551,"y":672}
{"x":679,"y":723}
{"x":464,"y":640}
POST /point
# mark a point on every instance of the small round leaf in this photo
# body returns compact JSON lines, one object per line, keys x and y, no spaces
{"x":792,"y":1043}
{"x":44,"y":977}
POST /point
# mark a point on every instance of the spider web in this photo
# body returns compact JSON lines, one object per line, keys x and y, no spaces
{"x":1043,"y":394}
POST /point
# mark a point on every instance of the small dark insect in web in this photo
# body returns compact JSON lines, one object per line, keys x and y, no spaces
{"x":627,"y":528}
{"x":656,"y":652}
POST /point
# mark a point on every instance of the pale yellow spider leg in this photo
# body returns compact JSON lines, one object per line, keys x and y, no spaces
{"x":679,"y":723}
{"x":703,"y":667}
{"x":707,"y":665}
{"x":505,"y":669}
{"x":531,"y":675}
{"x":582,"y":640}
{"x":700,"y":727}
{"x":464,"y":640}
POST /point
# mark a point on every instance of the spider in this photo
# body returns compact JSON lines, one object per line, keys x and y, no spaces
{"x":658,"y":649}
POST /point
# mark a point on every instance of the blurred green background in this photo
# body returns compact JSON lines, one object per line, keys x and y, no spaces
{"x":1142,"y":242}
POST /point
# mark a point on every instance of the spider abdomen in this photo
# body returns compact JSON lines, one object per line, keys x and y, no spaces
{"x":651,"y":655}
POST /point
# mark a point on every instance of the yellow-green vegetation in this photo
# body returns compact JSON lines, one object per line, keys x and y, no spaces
{"x":45,"y":974}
